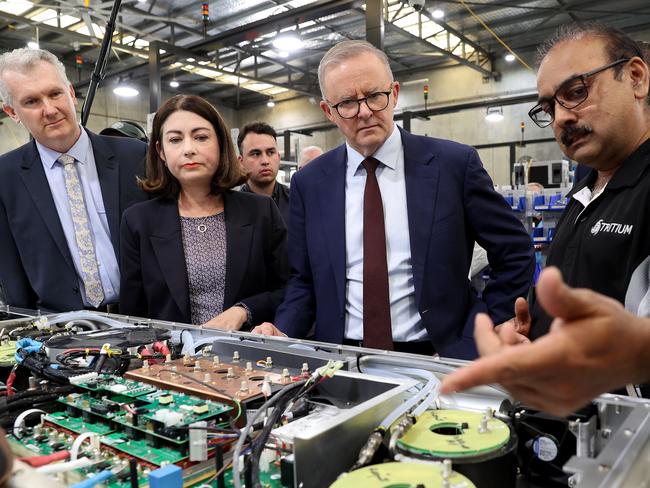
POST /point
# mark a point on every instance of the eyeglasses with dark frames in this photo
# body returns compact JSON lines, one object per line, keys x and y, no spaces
{"x":377,"y":101}
{"x":570,"y":94}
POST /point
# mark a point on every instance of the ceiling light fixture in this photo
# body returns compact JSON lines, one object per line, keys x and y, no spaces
{"x":33,"y":45}
{"x":288,"y":41}
{"x":270,"y":104}
{"x":438,"y":14}
{"x":174,"y":84}
{"x":126,"y":89}
{"x":494,"y":114}
{"x":509,"y":57}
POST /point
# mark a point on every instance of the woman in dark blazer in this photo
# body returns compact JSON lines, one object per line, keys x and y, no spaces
{"x":200,"y":252}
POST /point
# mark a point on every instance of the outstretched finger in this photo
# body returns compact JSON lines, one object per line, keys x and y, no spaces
{"x":522,"y":316}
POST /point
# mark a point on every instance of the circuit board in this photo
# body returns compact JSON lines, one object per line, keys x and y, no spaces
{"x":207,"y":378}
{"x":142,"y":411}
{"x":38,"y":446}
{"x":7,"y":352}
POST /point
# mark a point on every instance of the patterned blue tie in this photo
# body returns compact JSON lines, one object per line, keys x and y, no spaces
{"x":83,"y":235}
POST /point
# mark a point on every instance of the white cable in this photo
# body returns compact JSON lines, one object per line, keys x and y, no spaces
{"x":19,"y":423}
{"x":76,"y":445}
{"x":90,"y":316}
{"x":407,"y":405}
{"x":431,"y":399}
{"x":188,"y":342}
{"x":64,"y":467}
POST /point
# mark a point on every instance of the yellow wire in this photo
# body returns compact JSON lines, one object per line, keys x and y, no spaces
{"x":494,"y":34}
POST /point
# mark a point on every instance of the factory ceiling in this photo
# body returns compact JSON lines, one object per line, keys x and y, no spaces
{"x":245,"y":52}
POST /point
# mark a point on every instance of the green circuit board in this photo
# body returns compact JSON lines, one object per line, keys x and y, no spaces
{"x":142,"y":410}
{"x":31,"y":446}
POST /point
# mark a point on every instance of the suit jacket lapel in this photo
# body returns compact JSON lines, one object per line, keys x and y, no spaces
{"x":239,"y":236}
{"x":331,"y":196}
{"x":421,"y":174}
{"x":167,"y":243}
{"x":108,"y":173}
{"x":33,"y":176}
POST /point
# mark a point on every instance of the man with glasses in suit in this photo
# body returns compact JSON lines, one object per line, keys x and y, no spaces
{"x":382,"y":228}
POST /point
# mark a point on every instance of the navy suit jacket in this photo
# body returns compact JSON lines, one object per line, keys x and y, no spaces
{"x":154,"y":280}
{"x":451,"y":203}
{"x":36,"y":267}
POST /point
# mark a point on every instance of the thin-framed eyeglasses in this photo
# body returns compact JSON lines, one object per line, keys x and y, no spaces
{"x":570,"y":94}
{"x":377,"y":101}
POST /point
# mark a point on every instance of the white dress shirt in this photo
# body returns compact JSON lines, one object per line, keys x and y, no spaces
{"x":405,"y":319}
{"x":82,"y":151}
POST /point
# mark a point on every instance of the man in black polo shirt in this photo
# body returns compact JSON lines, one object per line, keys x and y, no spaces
{"x":593,"y":92}
{"x":259,"y":155}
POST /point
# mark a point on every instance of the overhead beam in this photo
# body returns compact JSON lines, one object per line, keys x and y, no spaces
{"x":251,"y":31}
{"x":429,"y":45}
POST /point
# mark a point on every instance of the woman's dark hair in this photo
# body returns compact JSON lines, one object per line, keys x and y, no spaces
{"x":158,"y":179}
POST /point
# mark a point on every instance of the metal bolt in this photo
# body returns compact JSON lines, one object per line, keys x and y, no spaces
{"x":231,"y":373}
{"x":249,"y":366}
{"x":446,"y":469}
{"x":235,"y":357}
{"x":483,"y":426}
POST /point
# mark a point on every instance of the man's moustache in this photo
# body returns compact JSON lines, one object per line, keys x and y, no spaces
{"x":572,"y":133}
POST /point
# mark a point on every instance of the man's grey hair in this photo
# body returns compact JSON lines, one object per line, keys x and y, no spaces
{"x":345,"y":50}
{"x":23,"y":60}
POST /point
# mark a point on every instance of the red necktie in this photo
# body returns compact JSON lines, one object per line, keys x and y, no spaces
{"x":377,"y":332}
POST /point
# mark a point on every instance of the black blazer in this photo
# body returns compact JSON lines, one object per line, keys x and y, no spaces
{"x":154,"y":280}
{"x":36,"y":267}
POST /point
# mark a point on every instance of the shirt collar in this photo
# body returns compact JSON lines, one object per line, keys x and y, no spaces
{"x":387,"y":154}
{"x":79,"y":151}
{"x":632,"y":169}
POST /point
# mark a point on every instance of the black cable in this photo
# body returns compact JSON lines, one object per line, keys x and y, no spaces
{"x":133,"y":473}
{"x":258,"y":444}
{"x":218,"y":460}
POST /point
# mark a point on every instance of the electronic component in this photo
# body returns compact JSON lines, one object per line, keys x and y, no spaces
{"x":402,"y":474}
{"x":169,"y":476}
{"x":481,"y":446}
{"x":205,"y":378}
{"x":178,"y":412}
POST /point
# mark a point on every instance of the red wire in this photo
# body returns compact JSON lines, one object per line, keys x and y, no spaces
{"x":10,"y":381}
{"x":36,"y":461}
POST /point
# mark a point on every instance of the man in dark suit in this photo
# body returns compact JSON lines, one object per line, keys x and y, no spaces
{"x":61,"y":195}
{"x":382,"y":228}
